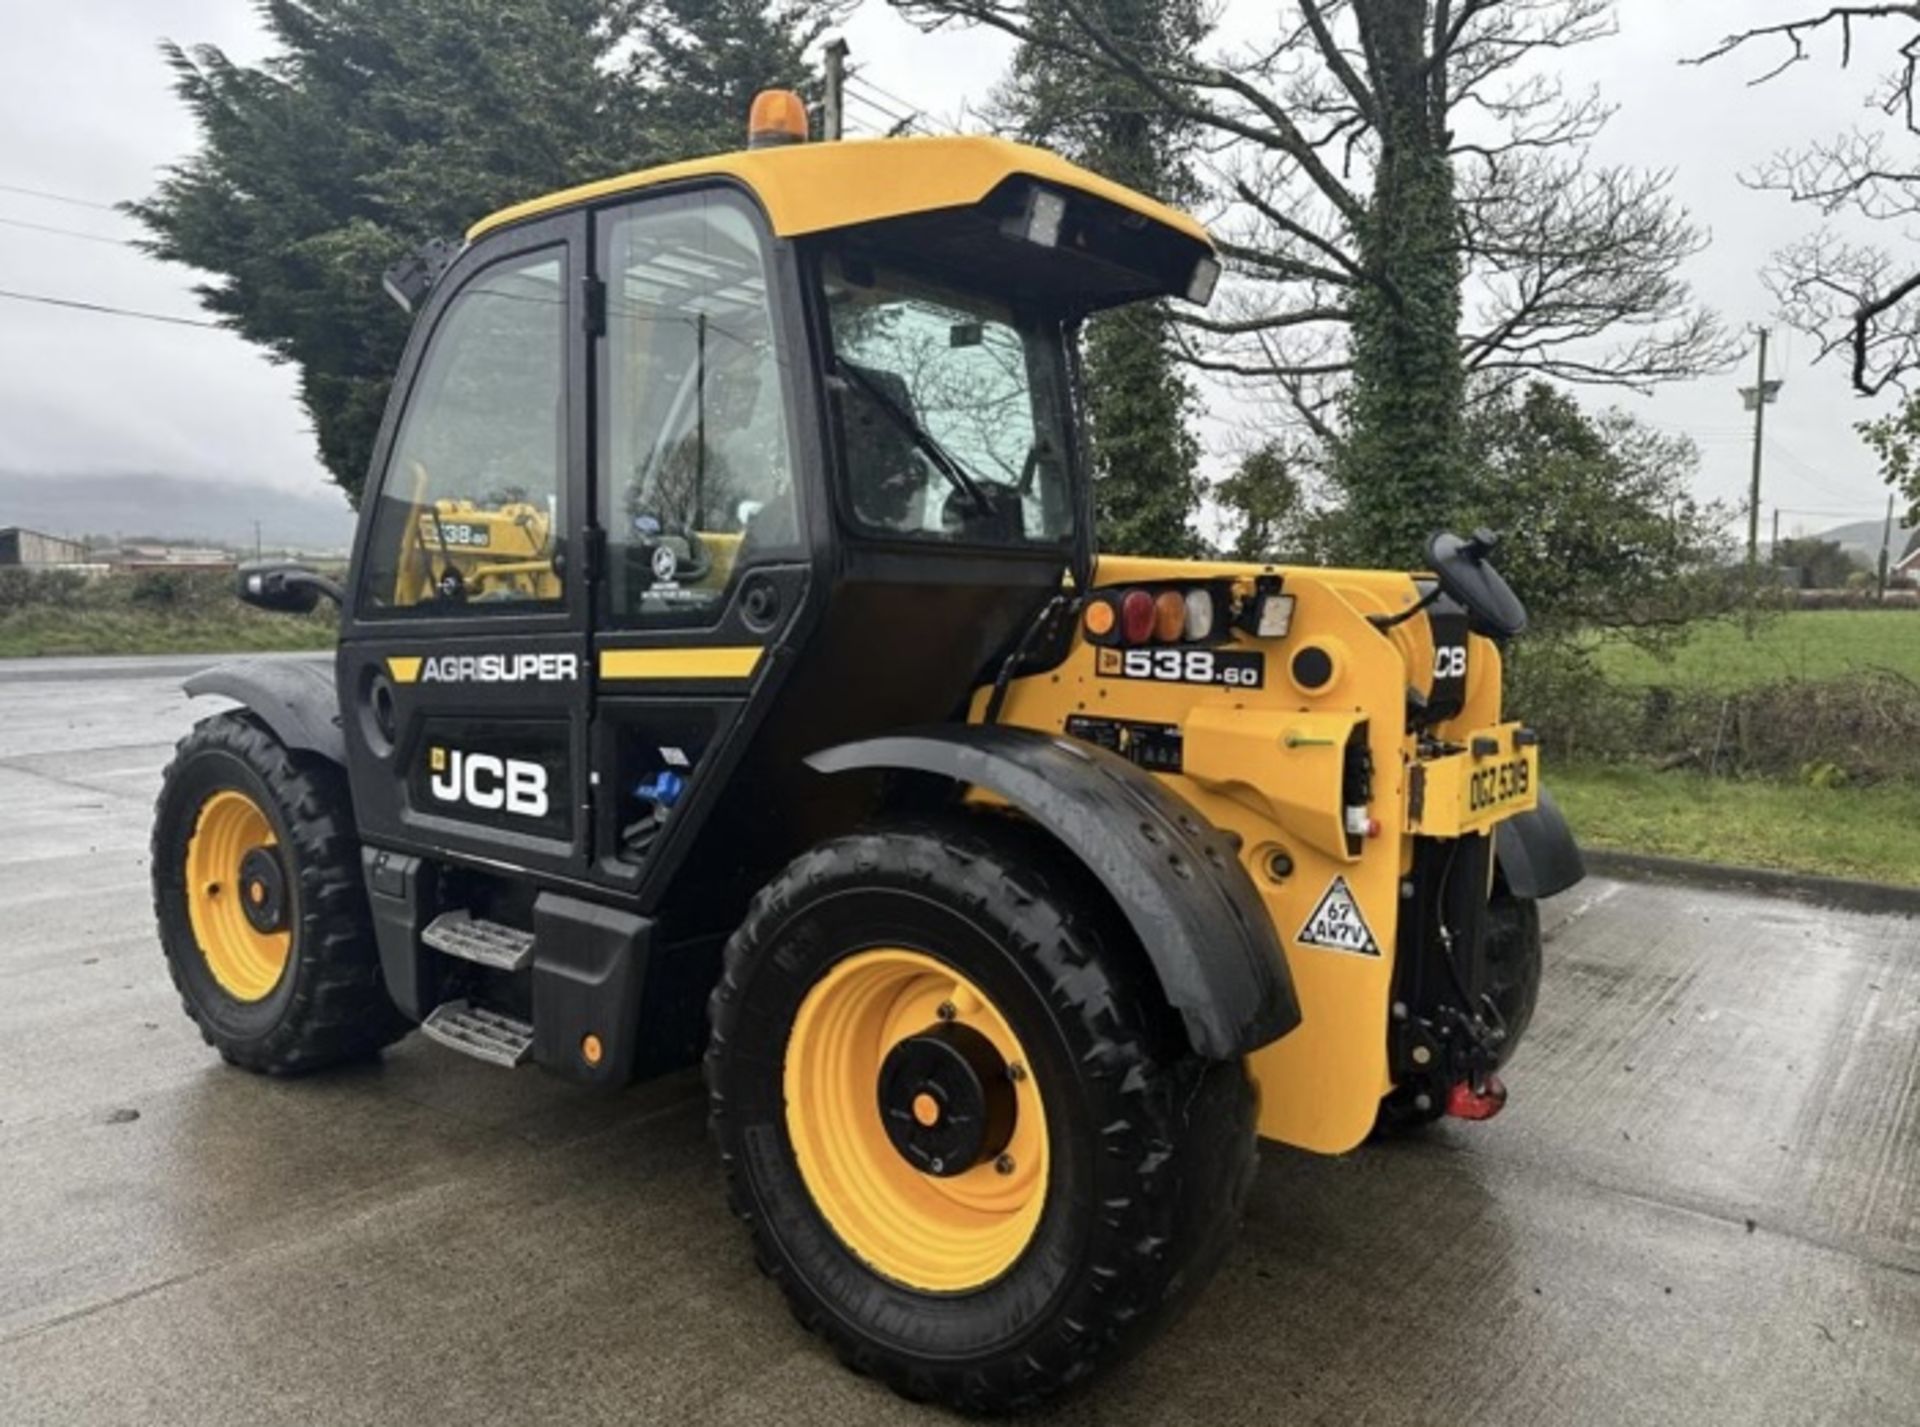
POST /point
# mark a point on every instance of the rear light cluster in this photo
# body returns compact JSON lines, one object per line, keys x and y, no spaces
{"x":1170,"y":615}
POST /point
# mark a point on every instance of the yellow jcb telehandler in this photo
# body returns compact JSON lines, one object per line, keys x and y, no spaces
{"x":728,"y":668}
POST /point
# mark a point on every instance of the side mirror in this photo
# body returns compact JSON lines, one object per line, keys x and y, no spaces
{"x":283,"y":586}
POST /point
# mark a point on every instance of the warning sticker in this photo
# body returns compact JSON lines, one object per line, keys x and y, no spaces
{"x":1337,"y":925}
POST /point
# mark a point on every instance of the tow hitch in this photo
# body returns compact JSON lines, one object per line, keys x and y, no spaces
{"x":1466,"y":1103}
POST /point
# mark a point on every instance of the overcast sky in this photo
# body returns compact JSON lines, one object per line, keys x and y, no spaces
{"x":86,"y":113}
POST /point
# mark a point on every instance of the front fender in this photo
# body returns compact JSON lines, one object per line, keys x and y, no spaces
{"x":1178,"y":882}
{"x":1537,"y":854}
{"x":294,"y":697}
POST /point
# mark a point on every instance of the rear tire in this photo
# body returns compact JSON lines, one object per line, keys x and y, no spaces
{"x":1149,"y":1150}
{"x":241,"y":818}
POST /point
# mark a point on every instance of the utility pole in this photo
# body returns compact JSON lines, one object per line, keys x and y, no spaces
{"x":834,"y":119}
{"x":1773,"y":554}
{"x":1886,"y":551}
{"x":256,"y":540}
{"x":1758,"y":398}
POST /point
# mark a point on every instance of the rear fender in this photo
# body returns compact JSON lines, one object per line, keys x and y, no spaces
{"x":295,"y":698}
{"x":1536,"y":851}
{"x":1177,"y":880}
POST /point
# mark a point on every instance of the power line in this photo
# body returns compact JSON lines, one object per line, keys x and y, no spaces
{"x":895,"y":99}
{"x":898,"y":120}
{"x":107,"y":310}
{"x":66,"y":232}
{"x":912,"y":119}
{"x":57,"y":197}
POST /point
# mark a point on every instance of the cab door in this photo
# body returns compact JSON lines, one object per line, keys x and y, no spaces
{"x":705,"y":487}
{"x":463,"y":668}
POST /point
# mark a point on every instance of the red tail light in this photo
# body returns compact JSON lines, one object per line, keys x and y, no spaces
{"x":1136,"y":617}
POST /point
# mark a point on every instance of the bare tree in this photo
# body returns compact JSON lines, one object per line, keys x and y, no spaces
{"x":1407,"y":201}
{"x":1857,"y":299}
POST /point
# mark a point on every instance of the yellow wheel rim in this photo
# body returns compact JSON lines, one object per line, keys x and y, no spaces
{"x":927,"y":1232}
{"x":245,"y":961}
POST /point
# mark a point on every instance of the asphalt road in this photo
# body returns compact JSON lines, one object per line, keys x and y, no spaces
{"x":1702,"y":1205}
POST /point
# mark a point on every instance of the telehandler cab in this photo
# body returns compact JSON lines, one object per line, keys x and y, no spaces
{"x":727,"y":667}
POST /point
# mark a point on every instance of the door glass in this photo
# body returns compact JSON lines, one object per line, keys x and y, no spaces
{"x":471,"y":508}
{"x":696,"y":469}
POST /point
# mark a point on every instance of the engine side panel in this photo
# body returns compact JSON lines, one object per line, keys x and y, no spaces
{"x":1264,"y":763}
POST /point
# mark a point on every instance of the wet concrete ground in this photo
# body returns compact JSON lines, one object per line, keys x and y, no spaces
{"x":1702,"y":1205}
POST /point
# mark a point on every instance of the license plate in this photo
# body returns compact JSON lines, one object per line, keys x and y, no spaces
{"x":1236,"y":668}
{"x":1490,"y":787}
{"x":1457,"y":794}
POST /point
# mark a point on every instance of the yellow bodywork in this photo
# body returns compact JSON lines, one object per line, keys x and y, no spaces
{"x":1265,"y":764}
{"x":810,"y":188}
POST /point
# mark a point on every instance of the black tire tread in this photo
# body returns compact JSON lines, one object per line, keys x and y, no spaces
{"x":340,"y":1010}
{"x":1187,"y":1128}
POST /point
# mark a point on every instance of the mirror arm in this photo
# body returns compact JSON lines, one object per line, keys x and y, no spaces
{"x":321,"y":584}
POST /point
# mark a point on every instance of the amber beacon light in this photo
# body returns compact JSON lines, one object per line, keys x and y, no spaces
{"x":778,"y":116}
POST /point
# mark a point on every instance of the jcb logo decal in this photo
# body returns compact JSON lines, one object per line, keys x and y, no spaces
{"x":487,"y":782}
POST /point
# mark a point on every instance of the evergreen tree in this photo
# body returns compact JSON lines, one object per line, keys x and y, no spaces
{"x":1143,"y":455}
{"x":377,"y":124}
{"x":700,"y":62}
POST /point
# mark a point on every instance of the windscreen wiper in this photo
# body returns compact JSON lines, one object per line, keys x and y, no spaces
{"x":922,"y":439}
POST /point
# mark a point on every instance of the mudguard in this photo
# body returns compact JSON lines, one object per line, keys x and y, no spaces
{"x":296,"y":698}
{"x":1537,"y":853}
{"x":1176,"y":879}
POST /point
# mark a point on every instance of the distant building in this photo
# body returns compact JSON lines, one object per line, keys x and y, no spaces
{"x":37,"y":551}
{"x":1908,"y":565}
{"x":168,"y":557}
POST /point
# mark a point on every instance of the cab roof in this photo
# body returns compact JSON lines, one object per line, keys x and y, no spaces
{"x":816,"y":187}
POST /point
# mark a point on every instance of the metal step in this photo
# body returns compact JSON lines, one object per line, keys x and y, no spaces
{"x":483,"y":1034}
{"x":488,"y":943}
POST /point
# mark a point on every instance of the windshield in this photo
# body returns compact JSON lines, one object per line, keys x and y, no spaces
{"x":951,"y":408}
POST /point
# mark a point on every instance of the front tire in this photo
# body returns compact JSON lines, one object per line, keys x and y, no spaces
{"x":959,"y":1119}
{"x":262,"y":913}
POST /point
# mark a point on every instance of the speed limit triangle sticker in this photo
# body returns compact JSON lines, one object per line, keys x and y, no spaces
{"x":1336,"y":923}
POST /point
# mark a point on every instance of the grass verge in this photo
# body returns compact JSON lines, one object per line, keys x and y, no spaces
{"x":1862,"y":832}
{"x":41,"y":630}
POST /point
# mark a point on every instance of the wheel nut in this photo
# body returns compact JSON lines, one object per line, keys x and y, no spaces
{"x":1004,"y":1164}
{"x":1421,"y":1055}
{"x":946,"y":1011}
{"x":1016,"y":1072}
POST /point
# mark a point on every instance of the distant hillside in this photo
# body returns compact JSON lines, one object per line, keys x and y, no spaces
{"x":173,"y":508}
{"x":1862,"y":538}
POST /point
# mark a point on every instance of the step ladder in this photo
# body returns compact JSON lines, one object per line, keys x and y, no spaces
{"x":485,"y":1035}
{"x":485,"y":943}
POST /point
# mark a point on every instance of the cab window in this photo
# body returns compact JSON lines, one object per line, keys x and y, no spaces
{"x":470,"y":508}
{"x":952,"y":410}
{"x":696,"y":471}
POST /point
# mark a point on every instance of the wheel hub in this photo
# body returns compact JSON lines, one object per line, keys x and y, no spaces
{"x":263,"y":890}
{"x":946,"y":1100}
{"x":896,"y":1060}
